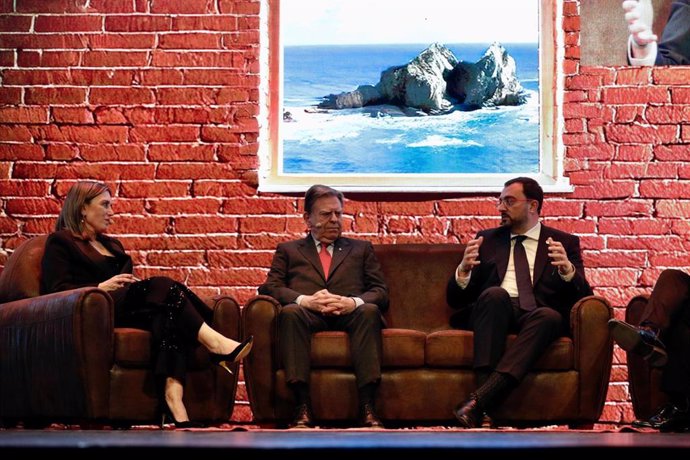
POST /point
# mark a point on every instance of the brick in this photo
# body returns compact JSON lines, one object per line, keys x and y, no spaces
{"x":627,"y":208}
{"x":71,"y":115}
{"x":641,"y":134}
{"x":154,"y":189}
{"x":117,"y":59}
{"x":10,"y":96}
{"x":61,"y":152}
{"x":195,"y":171}
{"x":113,"y":152}
{"x":605,"y":190}
{"x":634,"y":76}
{"x":131,"y":23}
{"x":638,"y":226}
{"x":164,"y":133}
{"x":613,"y":259}
{"x":668,"y":114}
{"x":179,"y":242}
{"x":15,"y":23}
{"x":268,"y":224}
{"x":132,"y":41}
{"x":674,"y":76}
{"x":669,"y":260}
{"x":36,"y":188}
{"x":635,"y":95}
{"x":14,"y":152}
{"x":116,"y":96}
{"x":47,"y":58}
{"x":175,"y":96}
{"x":672,"y":153}
{"x":370,"y":224}
{"x":646,"y":242}
{"x":664,"y":189}
{"x":576,"y":226}
{"x":673,"y":208}
{"x":238,"y":7}
{"x":186,"y":7}
{"x":71,"y":23}
{"x":196,"y":59}
{"x":206,"y":224}
{"x":85,"y":134}
{"x":23,"y":115}
{"x":261,"y":241}
{"x":259,"y":205}
{"x":401,"y":225}
{"x":611,"y":276}
{"x":31,"y":206}
{"x":176,"y":259}
{"x":680,"y":95}
{"x":626,"y":171}
{"x":630,"y":114}
{"x":592,"y":152}
{"x":408,"y":208}
{"x":190,"y":40}
{"x":99,"y":171}
{"x":230,"y":259}
{"x":110,"y":116}
{"x":635,"y":152}
{"x":139,"y":225}
{"x":185,"y":206}
{"x":113,"y":6}
{"x":229,"y":188}
{"x":220,"y":277}
{"x":211,"y":23}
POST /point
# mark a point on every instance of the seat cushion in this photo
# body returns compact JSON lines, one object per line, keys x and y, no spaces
{"x":133,"y":350}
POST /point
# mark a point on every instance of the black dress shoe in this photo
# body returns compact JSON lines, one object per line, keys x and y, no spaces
{"x":303,"y":417}
{"x":655,"y":420}
{"x":368,"y":417}
{"x":236,"y":355}
{"x":671,"y":419}
{"x":469,"y":414}
{"x":640,"y":341}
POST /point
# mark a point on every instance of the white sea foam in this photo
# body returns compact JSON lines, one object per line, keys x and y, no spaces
{"x":441,"y":141}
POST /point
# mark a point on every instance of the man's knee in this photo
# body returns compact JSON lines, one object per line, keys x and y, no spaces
{"x":369,"y":314}
{"x":548,"y":317}
{"x":493,"y":297}
{"x":671,"y":277}
{"x":290,"y":314}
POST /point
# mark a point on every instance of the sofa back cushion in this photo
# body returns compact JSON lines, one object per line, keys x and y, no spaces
{"x":21,"y":277}
{"x":417,"y":275}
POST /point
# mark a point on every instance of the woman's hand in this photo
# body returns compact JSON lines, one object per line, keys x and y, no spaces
{"x":117,"y":281}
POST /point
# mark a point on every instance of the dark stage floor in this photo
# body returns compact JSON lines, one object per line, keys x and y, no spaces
{"x":339,"y":443}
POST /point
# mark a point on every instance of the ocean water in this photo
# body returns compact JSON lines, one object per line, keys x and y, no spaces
{"x":379,"y":139}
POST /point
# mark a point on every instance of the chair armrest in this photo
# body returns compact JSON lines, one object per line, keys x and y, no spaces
{"x":62,"y":344}
{"x":593,"y":349}
{"x":226,"y":320}
{"x":260,"y":319}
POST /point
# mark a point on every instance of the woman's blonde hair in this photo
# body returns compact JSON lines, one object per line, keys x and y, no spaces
{"x":79,"y":194}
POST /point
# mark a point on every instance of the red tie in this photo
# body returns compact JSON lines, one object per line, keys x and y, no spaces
{"x":325,"y":257}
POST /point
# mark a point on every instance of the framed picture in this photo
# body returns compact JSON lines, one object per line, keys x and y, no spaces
{"x":388,"y":96}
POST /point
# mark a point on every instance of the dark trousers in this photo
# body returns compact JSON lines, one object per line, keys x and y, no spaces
{"x":494,"y":316}
{"x":669,"y":310}
{"x":363,"y":325}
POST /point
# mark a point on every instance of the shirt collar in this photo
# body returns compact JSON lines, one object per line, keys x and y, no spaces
{"x":318,"y":243}
{"x":531,"y":234}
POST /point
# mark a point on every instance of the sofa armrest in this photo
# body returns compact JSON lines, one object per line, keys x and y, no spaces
{"x":593,"y":348}
{"x":61,"y":343}
{"x":260,"y":319}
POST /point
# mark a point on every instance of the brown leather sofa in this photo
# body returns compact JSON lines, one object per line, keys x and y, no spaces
{"x":427,"y":366}
{"x":644,"y":380}
{"x":61,"y":359}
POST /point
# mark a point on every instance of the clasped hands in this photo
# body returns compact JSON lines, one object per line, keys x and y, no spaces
{"x":328,"y":304}
{"x":557,"y":253}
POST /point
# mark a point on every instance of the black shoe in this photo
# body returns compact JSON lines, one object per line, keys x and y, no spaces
{"x":655,"y":420}
{"x":673,"y":419}
{"x":368,"y":417}
{"x":167,"y":418}
{"x":469,"y":414}
{"x":303,"y":417}
{"x":640,"y":341}
{"x":236,"y":355}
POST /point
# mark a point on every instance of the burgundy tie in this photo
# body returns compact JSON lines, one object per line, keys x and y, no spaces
{"x":325,"y":257}
{"x":524,"y":284}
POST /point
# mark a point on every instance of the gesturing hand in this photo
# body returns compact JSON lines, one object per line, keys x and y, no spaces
{"x":469,"y":258}
{"x":117,"y":281}
{"x":559,"y":257}
{"x":640,"y":16}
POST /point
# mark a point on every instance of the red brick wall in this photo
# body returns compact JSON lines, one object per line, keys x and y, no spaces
{"x":160,"y":99}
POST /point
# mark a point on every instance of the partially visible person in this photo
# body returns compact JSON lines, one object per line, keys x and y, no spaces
{"x":666,"y":316}
{"x":521,"y":277}
{"x":674,"y":46}
{"x":328,"y":282}
{"x":80,"y":254}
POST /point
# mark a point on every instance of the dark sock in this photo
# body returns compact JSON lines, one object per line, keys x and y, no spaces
{"x":497,"y":386}
{"x":301,"y":392}
{"x":481,"y":375}
{"x":367,"y":394}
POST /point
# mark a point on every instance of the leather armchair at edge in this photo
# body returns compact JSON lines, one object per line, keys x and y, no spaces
{"x":427,"y":365}
{"x":62,"y":359}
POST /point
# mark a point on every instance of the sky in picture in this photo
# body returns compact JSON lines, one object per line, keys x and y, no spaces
{"x":351,"y":22}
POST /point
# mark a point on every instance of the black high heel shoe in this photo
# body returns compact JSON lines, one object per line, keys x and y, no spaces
{"x":240,"y":351}
{"x":168,"y":417}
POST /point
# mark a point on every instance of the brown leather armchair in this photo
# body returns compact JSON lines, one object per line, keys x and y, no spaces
{"x":427,"y":366}
{"x":61,"y":359}
{"x":644,"y":380}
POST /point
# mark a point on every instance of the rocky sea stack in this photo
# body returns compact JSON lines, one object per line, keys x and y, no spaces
{"x":435,"y":82}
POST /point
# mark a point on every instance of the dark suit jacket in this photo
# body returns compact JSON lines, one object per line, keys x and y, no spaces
{"x":355,"y":272}
{"x":549,"y":288}
{"x":70,"y":263}
{"x":674,"y":45}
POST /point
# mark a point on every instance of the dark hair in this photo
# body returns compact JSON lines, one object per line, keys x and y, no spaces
{"x":79,"y":195}
{"x":319,"y":191}
{"x":530,"y":188}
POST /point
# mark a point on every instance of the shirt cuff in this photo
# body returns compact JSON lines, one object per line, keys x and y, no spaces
{"x":358,"y":301}
{"x":650,"y":50}
{"x":462,"y":282}
{"x":298,"y":300}
{"x":568,"y":276}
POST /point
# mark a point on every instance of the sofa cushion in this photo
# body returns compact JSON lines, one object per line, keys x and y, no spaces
{"x":455,"y":348}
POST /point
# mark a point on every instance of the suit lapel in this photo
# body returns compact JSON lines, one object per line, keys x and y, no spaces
{"x":542,"y":257}
{"x":308,"y":249}
{"x":341,"y":248}
{"x":503,"y":254}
